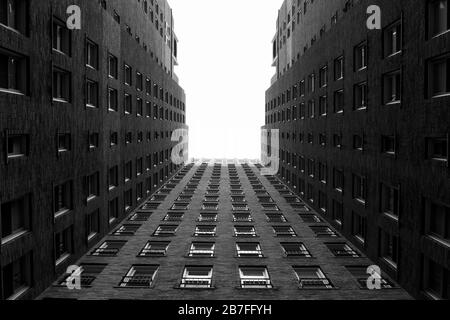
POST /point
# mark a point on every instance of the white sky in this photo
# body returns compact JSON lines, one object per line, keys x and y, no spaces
{"x":225,"y":57}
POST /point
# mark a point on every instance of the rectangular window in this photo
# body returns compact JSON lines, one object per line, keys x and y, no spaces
{"x":197,"y":277}
{"x":389,"y":248}
{"x":437,"y":149}
{"x":205,"y":231}
{"x":245,"y":231}
{"x":91,"y":94}
{"x":295,"y":249}
{"x":155,"y":249}
{"x":342,"y":250}
{"x":437,"y":220}
{"x":202,"y":249}
{"x":242,"y":217}
{"x":14,"y":75}
{"x":359,"y":188}
{"x":15,"y":218}
{"x":113,"y":100}
{"x":360,"y":57}
{"x":63,"y":198}
{"x":62,"y":37}
{"x":438,"y":17}
{"x":358,"y":142}
{"x":276,"y":218}
{"x":63,"y":245}
{"x":323,"y":105}
{"x":113,"y":66}
{"x":390,"y":200}
{"x":139,"y":276}
{"x":255,"y":278}
{"x":359,"y":227}
{"x":207,"y":217}
{"x":392,"y":88}
{"x":338,"y":212}
{"x":360,"y":96}
{"x":62,"y":82}
{"x":64,"y":142}
{"x":165,"y":231}
{"x":362,"y":273}
{"x":284,"y":231}
{"x":388,"y":145}
{"x":338,"y":180}
{"x":174,"y":217}
{"x":249,"y":250}
{"x":126,"y":230}
{"x":392,"y":39}
{"x":312,"y":278}
{"x":311,"y":83}
{"x":324,"y":232}
{"x":92,"y":224}
{"x":17,"y":277}
{"x":92,"y":186}
{"x":108,"y":248}
{"x":128,"y":104}
{"x":438,"y":77}
{"x":18,"y":146}
{"x":92,"y":54}
{"x":139,"y":81}
{"x":339,"y":101}
{"x":128,"y":75}
{"x":323,"y":77}
{"x":113,"y":210}
{"x":339,"y":68}
{"x":436,"y":280}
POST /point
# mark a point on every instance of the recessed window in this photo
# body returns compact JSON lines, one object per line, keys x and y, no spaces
{"x":63,"y":245}
{"x":92,"y":54}
{"x":323,"y":77}
{"x":392,"y":37}
{"x":245,"y":231}
{"x":128,"y":75}
{"x":389,"y":248}
{"x":339,"y":68}
{"x":437,"y":220}
{"x":15,"y":218}
{"x":114,"y":139}
{"x":359,"y":188}
{"x":276,"y":218}
{"x":249,"y":250}
{"x":165,"y":231}
{"x":63,"y":198}
{"x":392,"y":88}
{"x":113,"y":210}
{"x":361,"y":274}
{"x":338,"y":180}
{"x":438,"y":77}
{"x":388,"y":144}
{"x":113,"y":66}
{"x":14,"y":72}
{"x":323,"y":105}
{"x":207,"y":217}
{"x":93,"y":140}
{"x":359,"y":227}
{"x":17,"y":277}
{"x":108,"y":249}
{"x":113,"y":100}
{"x":284,"y":231}
{"x":141,"y":216}
{"x":438,"y":17}
{"x":92,"y":186}
{"x":18,"y":146}
{"x":154,"y":249}
{"x":202,"y":249}
{"x":295,"y":249}
{"x":255,"y":278}
{"x":390,"y":200}
{"x":205,"y":231}
{"x":360,"y":57}
{"x":436,"y":280}
{"x":126,"y":230}
{"x":113,"y":177}
{"x":242,"y":217}
{"x":139,"y":276}
{"x":128,"y":200}
{"x":91,"y":93}
{"x":62,"y":37}
{"x":358,"y":142}
{"x":92,"y":224}
{"x":310,"y":218}
{"x":360,"y":96}
{"x":64,"y":142}
{"x":342,"y":250}
{"x":324,"y":232}
{"x":312,"y":278}
{"x":197,"y":277}
{"x":61,"y":85}
{"x":339,"y":101}
{"x":437,"y":148}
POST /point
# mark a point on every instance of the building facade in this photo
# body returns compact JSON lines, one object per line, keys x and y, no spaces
{"x":364,"y":128}
{"x":86,"y":120}
{"x":217,"y":231}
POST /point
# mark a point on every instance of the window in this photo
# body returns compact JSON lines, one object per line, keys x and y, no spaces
{"x":255,"y":278}
{"x":359,"y":188}
{"x":91,"y":93}
{"x":207,"y":217}
{"x":92,"y":186}
{"x":205,"y":231}
{"x":388,"y":145}
{"x":438,"y":17}
{"x":360,"y":96}
{"x":248,"y":250}
{"x":312,"y":278}
{"x":437,"y":148}
{"x":339,"y":68}
{"x":323,"y":232}
{"x":61,"y":85}
{"x":18,"y":146}
{"x":113,"y":210}
{"x":392,"y":37}
{"x":108,"y":248}
{"x":311,"y":83}
{"x":310,"y":218}
{"x":436,"y":280}
{"x":392,"y":88}
{"x":113,"y":66}
{"x":338,"y":212}
{"x":437,"y":223}
{"x":128,"y":75}
{"x":323,"y":172}
{"x":91,"y":54}
{"x":360,"y":57}
{"x":88,"y":274}
{"x":128,"y":104}
{"x":244,"y":231}
{"x":141,"y":216}
{"x":15,"y":218}
{"x":342,"y":250}
{"x":17,"y":277}
{"x":63,"y":198}
{"x":438,"y":77}
{"x":284,"y":231}
{"x":174,"y":217}
{"x":338,"y":180}
{"x":14,"y":75}
{"x":323,"y":77}
{"x":202,"y":249}
{"x":362,"y":274}
{"x":311,"y":108}
{"x":114,"y":139}
{"x":389,"y":200}
{"x":323,"y":105}
{"x":197,"y":277}
{"x":358,"y":142}
{"x":359,"y":227}
{"x":154,"y":249}
{"x":113,"y":100}
{"x":165,"y":231}
{"x":126,"y":230}
{"x":92,"y":224}
{"x":389,"y":248}
{"x":339,"y":101}
{"x":63,"y":245}
{"x":276,"y":218}
{"x":242,"y":217}
{"x":64,"y":142}
{"x":93,"y":140}
{"x":62,"y":37}
{"x":295,"y":249}
{"x":139,"y":276}
{"x":128,"y":199}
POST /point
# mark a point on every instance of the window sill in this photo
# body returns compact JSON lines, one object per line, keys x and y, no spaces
{"x":92,"y":236}
{"x":441,"y":95}
{"x":62,"y":259}
{"x":19,"y":293}
{"x":439,"y":241}
{"x":60,"y":100}
{"x":61,"y":213}
{"x":12,"y":91}
{"x":91,"y":198}
{"x":13,"y":237}
{"x":91,"y":106}
{"x":16,"y":156}
{"x":440,"y":34}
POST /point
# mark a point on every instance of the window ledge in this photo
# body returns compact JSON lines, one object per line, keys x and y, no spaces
{"x":60,"y":100}
{"x":19,"y":293}
{"x":440,"y":34}
{"x":13,"y":237}
{"x":12,"y":91}
{"x":441,"y":95}
{"x":60,"y":213}
{"x":439,"y":241}
{"x":62,"y":259}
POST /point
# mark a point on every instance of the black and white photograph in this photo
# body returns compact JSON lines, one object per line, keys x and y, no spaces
{"x":224,"y":159}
